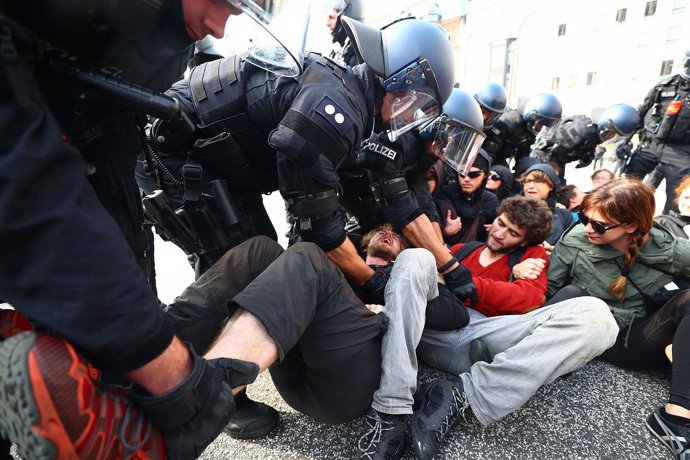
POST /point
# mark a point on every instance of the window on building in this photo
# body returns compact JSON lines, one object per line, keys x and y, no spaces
{"x":673,"y":35}
{"x":678,"y":6}
{"x":555,"y":82}
{"x":666,"y":67}
{"x":591,"y":78}
{"x":650,"y":8}
{"x":561,"y":30}
{"x":620,"y":15}
{"x":572,"y":81}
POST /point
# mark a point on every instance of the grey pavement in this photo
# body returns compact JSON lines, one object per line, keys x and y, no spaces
{"x":598,"y":412}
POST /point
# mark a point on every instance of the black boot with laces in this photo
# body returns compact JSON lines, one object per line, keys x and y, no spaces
{"x":382,"y":437}
{"x":441,"y":404}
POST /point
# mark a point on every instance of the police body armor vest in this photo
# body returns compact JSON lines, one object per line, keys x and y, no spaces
{"x":668,"y":120}
{"x":218,"y":92}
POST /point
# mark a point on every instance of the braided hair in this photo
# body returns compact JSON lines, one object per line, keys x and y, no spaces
{"x":627,"y":201}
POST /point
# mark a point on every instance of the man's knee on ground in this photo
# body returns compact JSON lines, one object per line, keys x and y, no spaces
{"x":597,"y":322}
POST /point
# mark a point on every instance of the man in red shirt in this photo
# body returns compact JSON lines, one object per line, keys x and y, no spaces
{"x":526,"y":346}
{"x":502,"y":289}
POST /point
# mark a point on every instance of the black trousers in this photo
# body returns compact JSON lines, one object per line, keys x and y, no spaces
{"x":674,"y":163}
{"x":642,"y":345}
{"x":329,"y":343}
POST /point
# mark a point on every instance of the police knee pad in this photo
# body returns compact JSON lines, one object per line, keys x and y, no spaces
{"x":193,"y":414}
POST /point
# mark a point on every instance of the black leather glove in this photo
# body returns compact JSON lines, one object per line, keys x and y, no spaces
{"x":623,"y":151}
{"x":374,"y":289}
{"x":459,"y":280}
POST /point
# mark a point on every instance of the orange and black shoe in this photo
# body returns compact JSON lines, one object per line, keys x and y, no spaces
{"x":12,"y":322}
{"x":52,"y":409}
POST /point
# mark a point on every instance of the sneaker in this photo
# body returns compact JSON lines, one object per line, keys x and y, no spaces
{"x":51,"y":408}
{"x":675,"y":437}
{"x":440,"y":405}
{"x":12,"y":322}
{"x":252,"y":419}
{"x":383,"y":436}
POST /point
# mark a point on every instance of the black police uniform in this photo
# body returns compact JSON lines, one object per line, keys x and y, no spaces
{"x":66,"y":264}
{"x":665,"y":139}
{"x":260,"y":132}
{"x":386,"y":183}
{"x":575,"y":139}
{"x":508,"y":138}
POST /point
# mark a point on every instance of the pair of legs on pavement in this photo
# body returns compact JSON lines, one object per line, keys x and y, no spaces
{"x":329,"y":358}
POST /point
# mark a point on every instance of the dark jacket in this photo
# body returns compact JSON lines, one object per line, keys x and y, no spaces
{"x":675,"y":223}
{"x":475,"y":211}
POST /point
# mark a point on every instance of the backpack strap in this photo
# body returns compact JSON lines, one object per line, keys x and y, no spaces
{"x":514,"y":258}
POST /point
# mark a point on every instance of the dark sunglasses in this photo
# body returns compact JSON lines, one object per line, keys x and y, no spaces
{"x":495,"y":177}
{"x":597,"y":226}
{"x":471,"y":174}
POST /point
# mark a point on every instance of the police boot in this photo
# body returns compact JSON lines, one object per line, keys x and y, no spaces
{"x":192,"y":415}
{"x":252,"y":419}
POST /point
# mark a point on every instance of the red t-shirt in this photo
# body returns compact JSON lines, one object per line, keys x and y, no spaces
{"x":498,"y":296}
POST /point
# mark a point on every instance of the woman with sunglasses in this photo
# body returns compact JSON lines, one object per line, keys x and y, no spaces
{"x":620,"y":256}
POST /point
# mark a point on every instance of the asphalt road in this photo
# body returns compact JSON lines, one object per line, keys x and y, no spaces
{"x":598,"y":412}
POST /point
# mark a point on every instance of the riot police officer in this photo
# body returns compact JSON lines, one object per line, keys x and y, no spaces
{"x":492,"y":99}
{"x":307,"y":126}
{"x":69,"y":106}
{"x":665,"y":134}
{"x":515,"y":131}
{"x":342,"y":51}
{"x":576,"y":137}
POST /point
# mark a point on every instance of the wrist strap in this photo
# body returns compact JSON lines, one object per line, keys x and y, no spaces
{"x":445,"y":267}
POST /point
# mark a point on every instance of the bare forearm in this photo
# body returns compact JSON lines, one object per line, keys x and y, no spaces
{"x":350,"y":263}
{"x":422,"y":234}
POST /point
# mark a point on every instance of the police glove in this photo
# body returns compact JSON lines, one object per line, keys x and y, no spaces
{"x":623,"y":151}
{"x":459,"y":280}
{"x":195,"y":412}
{"x":374,"y":289}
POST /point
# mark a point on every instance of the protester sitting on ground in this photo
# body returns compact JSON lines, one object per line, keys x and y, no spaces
{"x":465,"y":206}
{"x":541,"y":181}
{"x":500,"y":181}
{"x":601,"y":177}
{"x":570,"y":197}
{"x":519,"y":336}
{"x":678,"y":223}
{"x":519,"y":169}
{"x":618,"y":255}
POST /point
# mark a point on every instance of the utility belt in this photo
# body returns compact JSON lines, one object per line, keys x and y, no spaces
{"x":205,"y":226}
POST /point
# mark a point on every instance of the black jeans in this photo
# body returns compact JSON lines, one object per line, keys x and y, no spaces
{"x":642,"y":345}
{"x":329,"y":343}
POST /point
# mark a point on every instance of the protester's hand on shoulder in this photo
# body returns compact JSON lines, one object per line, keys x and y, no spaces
{"x":547,"y":247}
{"x":529,"y":269}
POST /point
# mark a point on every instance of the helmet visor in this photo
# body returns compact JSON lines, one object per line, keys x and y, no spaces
{"x":411,"y":99}
{"x":490,"y":117}
{"x":537,"y":124}
{"x":608,"y":132}
{"x":272,"y":38}
{"x":456,"y":143}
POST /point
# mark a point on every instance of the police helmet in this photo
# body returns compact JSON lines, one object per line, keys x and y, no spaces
{"x":346,"y":8}
{"x":686,"y":65}
{"x":492,"y":98}
{"x":618,"y":120}
{"x":415,"y":60}
{"x":542,"y":111}
{"x":457,"y":133}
